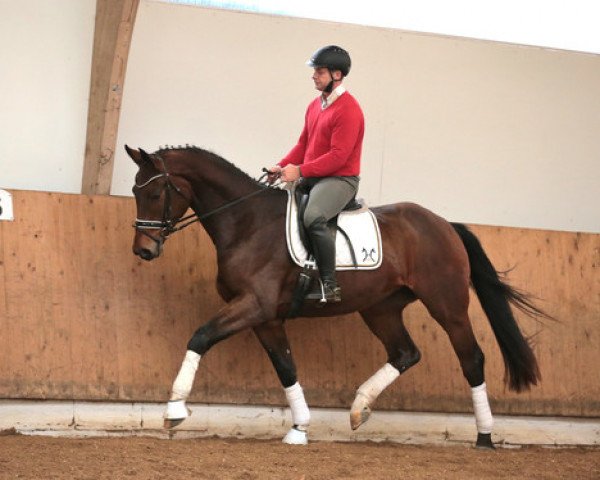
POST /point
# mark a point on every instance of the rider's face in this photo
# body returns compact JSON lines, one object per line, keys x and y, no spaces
{"x":322,"y":77}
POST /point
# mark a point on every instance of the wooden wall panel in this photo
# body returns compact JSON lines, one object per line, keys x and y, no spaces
{"x":82,"y":317}
{"x":4,"y":322}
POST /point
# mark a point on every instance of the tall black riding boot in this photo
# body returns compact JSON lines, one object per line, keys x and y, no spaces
{"x":323,"y":244}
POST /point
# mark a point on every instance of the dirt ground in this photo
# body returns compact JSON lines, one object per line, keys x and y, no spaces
{"x":213,"y":458}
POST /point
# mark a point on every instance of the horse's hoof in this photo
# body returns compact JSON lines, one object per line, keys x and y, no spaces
{"x":484,"y":441}
{"x":296,"y":437}
{"x":176,"y":412}
{"x":170,"y":423}
{"x":358,"y":417}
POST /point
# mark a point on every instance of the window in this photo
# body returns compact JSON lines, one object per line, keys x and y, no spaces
{"x":562,"y":24}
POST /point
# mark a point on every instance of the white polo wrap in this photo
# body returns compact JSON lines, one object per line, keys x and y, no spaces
{"x":298,"y":406}
{"x":176,"y":410}
{"x":382,"y":379}
{"x":185,"y":378}
{"x":481,"y":407}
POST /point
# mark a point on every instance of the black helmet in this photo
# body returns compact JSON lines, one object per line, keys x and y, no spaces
{"x":331,"y":57}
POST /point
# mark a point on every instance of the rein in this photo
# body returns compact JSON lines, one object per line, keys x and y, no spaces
{"x":167,"y":225}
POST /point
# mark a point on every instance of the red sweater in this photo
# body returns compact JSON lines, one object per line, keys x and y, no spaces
{"x":331,"y":142}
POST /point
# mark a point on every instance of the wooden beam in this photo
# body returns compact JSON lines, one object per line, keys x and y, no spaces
{"x":112,"y":38}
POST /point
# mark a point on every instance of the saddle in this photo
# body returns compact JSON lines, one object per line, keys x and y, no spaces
{"x":358,"y":245}
{"x":301,"y":198}
{"x":357,"y":235}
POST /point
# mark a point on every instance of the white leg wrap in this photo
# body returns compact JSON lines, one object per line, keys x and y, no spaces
{"x":176,"y":410}
{"x":481,"y":407}
{"x":296,"y":437}
{"x":298,"y":406}
{"x":382,"y":379}
{"x":185,"y":378}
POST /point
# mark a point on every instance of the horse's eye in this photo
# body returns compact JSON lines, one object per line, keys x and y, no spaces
{"x":155,"y":195}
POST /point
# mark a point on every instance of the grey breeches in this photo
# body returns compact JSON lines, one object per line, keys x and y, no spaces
{"x":328,"y":196}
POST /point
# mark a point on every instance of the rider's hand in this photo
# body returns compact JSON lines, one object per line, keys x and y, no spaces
{"x":290,"y":173}
{"x":273,"y":174}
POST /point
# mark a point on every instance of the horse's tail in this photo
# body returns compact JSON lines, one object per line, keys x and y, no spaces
{"x":495,"y":297}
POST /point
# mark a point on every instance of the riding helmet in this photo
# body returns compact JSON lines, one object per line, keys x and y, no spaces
{"x":331,"y":57}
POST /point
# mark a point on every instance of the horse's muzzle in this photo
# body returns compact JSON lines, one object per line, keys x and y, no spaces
{"x":147,"y":247}
{"x":145,"y":254}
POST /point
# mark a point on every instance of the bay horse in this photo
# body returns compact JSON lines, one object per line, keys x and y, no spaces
{"x":425,"y":258}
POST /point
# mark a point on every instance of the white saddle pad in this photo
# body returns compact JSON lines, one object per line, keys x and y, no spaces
{"x":360,"y":225}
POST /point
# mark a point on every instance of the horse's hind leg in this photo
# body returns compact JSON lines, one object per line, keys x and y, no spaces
{"x":385,"y":321}
{"x":451,"y":312}
{"x":274,"y":340}
{"x":472,"y":363}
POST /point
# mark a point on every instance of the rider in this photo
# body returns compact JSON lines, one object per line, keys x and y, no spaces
{"x":326,"y":159}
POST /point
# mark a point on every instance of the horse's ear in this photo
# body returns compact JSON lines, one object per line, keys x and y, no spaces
{"x":139,"y":156}
{"x":135,"y":155}
{"x":145,"y":157}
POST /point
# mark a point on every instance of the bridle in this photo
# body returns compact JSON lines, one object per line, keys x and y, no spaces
{"x":169,"y":225}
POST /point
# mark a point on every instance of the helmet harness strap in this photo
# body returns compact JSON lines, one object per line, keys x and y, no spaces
{"x":329,"y":87}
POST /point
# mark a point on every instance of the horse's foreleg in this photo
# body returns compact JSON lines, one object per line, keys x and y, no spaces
{"x":177,"y":411}
{"x":240,"y":313}
{"x":274,"y":340}
{"x":385,"y":321}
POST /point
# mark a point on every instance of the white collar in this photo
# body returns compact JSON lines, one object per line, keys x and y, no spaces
{"x":333,"y":96}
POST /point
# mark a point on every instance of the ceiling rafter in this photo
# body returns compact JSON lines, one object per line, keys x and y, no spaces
{"x":112,"y":39}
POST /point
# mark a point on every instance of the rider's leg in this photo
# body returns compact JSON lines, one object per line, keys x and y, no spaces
{"x":327,"y":199}
{"x":323,"y":247}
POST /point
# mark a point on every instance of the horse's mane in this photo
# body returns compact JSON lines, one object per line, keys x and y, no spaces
{"x":212,"y":156}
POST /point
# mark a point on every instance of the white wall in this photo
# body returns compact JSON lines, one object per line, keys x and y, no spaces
{"x":45,"y":64}
{"x":477,"y":131}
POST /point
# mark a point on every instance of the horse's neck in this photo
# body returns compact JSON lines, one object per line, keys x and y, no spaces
{"x":216,"y":186}
{"x":221,"y":189}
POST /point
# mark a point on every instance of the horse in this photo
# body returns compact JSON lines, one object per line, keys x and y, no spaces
{"x":426,"y":258}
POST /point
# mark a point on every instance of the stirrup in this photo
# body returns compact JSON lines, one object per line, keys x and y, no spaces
{"x":325,"y":292}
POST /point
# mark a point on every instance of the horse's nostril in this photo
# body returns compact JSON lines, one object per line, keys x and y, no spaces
{"x":146,"y":254}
